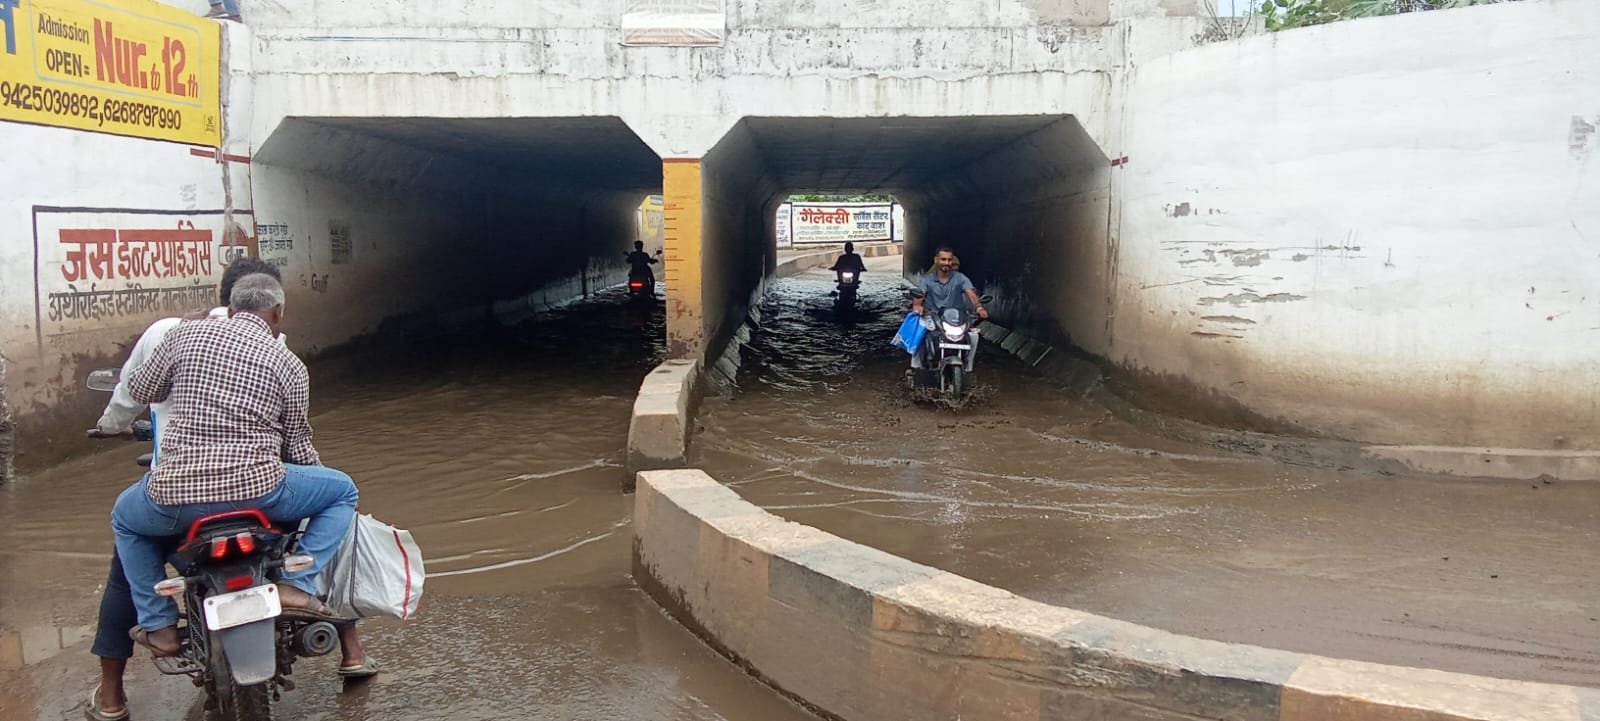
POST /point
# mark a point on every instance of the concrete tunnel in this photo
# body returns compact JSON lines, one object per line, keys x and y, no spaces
{"x":1024,"y":200}
{"x":414,"y":219}
{"x":454,"y":215}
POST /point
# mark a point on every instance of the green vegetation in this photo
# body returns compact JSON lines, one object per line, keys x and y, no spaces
{"x":816,"y":198}
{"x":1286,"y":14}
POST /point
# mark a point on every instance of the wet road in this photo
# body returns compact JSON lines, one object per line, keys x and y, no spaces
{"x":1044,"y":493}
{"x":503,"y":455}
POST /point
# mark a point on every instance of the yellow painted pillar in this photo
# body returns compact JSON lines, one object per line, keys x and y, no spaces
{"x":680,"y":186}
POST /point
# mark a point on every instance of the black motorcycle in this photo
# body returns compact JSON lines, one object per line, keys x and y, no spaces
{"x":235,"y":639}
{"x":949,"y":349}
{"x":847,"y":287}
{"x":642,"y":283}
{"x":641,"y":287}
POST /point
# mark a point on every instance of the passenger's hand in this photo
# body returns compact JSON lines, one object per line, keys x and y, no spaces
{"x":983,"y":313}
{"x":107,"y":429}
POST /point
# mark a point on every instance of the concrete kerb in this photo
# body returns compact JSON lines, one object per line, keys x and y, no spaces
{"x":823,"y":256}
{"x":1472,"y":462}
{"x":663,"y":415}
{"x":857,"y":634}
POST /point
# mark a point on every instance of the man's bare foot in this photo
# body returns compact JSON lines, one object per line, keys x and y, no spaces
{"x":294,"y":599}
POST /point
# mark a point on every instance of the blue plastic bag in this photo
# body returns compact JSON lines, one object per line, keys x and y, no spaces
{"x":909,"y":337}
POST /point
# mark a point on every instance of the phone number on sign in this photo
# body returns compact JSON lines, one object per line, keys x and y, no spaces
{"x":38,"y":98}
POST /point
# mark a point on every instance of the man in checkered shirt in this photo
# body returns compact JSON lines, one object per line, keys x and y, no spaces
{"x":237,"y":437}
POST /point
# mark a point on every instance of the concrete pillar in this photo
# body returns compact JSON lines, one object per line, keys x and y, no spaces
{"x":681,"y":190}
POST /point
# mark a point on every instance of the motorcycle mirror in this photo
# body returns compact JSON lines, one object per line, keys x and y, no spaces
{"x":104,"y":379}
{"x":915,"y":292}
{"x":987,"y":299}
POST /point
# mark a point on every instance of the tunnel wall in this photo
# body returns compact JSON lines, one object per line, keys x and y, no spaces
{"x":1029,"y":223}
{"x":68,"y":179}
{"x":1385,"y":245}
{"x":424,"y":236}
{"x":737,"y":190}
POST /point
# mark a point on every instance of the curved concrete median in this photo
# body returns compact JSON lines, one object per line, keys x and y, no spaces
{"x":658,"y":433}
{"x":857,"y":634}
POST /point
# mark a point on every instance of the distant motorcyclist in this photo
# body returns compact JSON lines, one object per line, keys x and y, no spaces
{"x":850,"y":262}
{"x":944,"y":288}
{"x":640,"y":262}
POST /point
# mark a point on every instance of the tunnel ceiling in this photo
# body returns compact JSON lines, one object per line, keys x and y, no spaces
{"x":600,"y":152}
{"x":894,"y":155}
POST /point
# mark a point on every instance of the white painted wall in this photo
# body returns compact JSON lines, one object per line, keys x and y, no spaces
{"x":60,"y":168}
{"x":74,"y":169}
{"x":1385,"y":229}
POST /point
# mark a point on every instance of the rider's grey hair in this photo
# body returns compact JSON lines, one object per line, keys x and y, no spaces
{"x":255,"y":293}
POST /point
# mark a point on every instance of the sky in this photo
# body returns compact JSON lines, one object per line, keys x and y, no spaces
{"x":1233,"y":7}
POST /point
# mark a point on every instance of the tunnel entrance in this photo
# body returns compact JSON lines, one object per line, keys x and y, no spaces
{"x":1024,"y":200}
{"x":382,"y":220}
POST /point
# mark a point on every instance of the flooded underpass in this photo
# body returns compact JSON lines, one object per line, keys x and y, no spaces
{"x":501,"y":450}
{"x":1045,"y":493}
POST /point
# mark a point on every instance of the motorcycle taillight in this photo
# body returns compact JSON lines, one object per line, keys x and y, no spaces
{"x":219,"y":547}
{"x":239,"y":583}
{"x":246,"y":541}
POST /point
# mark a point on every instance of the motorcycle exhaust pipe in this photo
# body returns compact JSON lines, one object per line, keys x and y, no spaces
{"x":317,"y":639}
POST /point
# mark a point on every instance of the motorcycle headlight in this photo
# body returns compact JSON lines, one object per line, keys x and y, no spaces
{"x":847,"y":277}
{"x":953,"y":331}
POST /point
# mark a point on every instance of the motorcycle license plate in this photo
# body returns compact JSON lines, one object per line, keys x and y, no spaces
{"x":955,"y":346}
{"x":241,"y":607}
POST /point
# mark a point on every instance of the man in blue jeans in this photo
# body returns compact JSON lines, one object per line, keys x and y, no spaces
{"x":237,"y":437}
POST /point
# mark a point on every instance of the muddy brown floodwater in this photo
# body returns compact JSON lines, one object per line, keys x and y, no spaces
{"x":1049,"y":495}
{"x":502,"y":453}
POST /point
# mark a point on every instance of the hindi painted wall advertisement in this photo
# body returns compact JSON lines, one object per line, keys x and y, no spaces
{"x":339,"y":243}
{"x":138,"y":68}
{"x":99,"y":268}
{"x":782,"y":229}
{"x":275,"y":242}
{"x":839,"y":222}
{"x":672,"y":22}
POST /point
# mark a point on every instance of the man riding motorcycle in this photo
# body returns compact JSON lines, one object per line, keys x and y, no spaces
{"x":111,"y":642}
{"x":944,"y":288}
{"x":236,"y":436}
{"x":850,"y":262}
{"x":639,"y":263}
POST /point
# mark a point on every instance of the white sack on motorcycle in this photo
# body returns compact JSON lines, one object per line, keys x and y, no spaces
{"x":377,"y":572}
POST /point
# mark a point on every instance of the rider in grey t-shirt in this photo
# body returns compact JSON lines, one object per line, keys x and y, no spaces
{"x":944,"y":288}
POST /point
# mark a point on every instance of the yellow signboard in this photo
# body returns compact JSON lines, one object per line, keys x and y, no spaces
{"x":127,"y":67}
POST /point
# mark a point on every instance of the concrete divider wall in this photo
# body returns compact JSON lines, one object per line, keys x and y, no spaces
{"x":663,"y":416}
{"x":860,"y":635}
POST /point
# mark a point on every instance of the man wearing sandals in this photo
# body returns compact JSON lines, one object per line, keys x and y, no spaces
{"x":237,"y":437}
{"x":117,"y":612}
